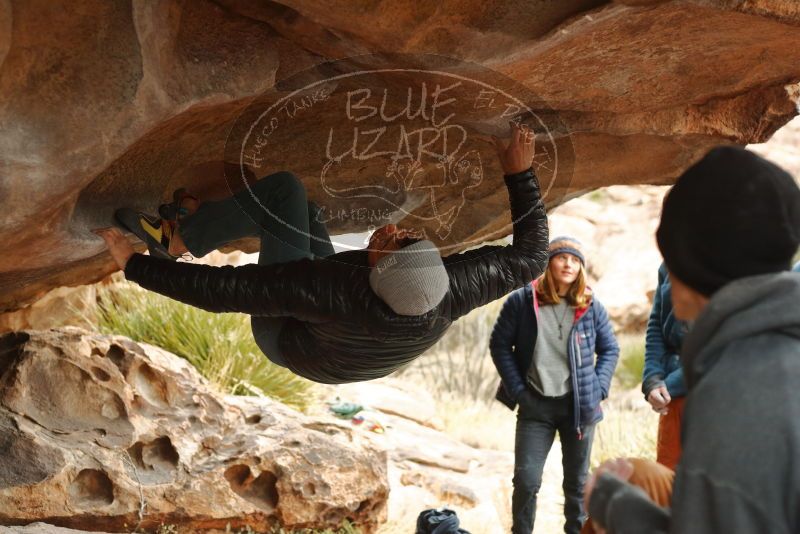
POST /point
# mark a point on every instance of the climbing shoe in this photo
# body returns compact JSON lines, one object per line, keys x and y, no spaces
{"x":175,"y":211}
{"x":156,"y":233}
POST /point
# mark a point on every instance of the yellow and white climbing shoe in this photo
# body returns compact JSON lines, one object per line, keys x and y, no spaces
{"x":156,"y":233}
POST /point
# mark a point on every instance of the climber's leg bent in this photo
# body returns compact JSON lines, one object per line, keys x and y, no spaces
{"x":276,"y":209}
{"x":274,"y":206}
{"x":321,"y":246}
{"x":266,"y":330}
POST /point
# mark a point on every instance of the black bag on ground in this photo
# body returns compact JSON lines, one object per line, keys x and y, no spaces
{"x":438,"y":521}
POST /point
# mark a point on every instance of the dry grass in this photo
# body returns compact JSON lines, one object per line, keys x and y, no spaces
{"x":625,"y":432}
{"x":480,"y":424}
{"x":460,"y":365}
{"x":460,"y":374}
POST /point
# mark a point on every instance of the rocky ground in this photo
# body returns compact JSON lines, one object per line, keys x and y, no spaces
{"x":396,"y":455}
{"x":103,"y":433}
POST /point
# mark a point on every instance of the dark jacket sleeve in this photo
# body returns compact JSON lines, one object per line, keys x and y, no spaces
{"x":501,"y":345}
{"x":654,"y":347}
{"x":705,"y":507}
{"x":675,"y":383}
{"x":480,"y":276}
{"x":293,"y":289}
{"x":606,"y":347}
{"x":622,"y":508}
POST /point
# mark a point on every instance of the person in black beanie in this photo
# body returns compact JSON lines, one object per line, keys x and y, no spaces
{"x":731,"y":215}
{"x":729,"y":230}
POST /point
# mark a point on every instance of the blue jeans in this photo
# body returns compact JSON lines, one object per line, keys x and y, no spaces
{"x":538,"y":420}
{"x":276,"y":210}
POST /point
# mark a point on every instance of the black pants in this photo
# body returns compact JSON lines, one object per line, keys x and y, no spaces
{"x":274,"y":209}
{"x":538,"y":420}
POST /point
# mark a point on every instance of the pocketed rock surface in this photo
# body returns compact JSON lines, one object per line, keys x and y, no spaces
{"x":102,"y":433}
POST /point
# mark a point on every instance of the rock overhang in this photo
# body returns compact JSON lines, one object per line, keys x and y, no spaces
{"x":93,"y":117}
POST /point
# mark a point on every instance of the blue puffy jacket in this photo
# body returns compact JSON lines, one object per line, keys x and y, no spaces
{"x":514,"y":337}
{"x":662,"y":365}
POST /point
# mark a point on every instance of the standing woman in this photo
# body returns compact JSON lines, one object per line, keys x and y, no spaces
{"x":543,"y":346}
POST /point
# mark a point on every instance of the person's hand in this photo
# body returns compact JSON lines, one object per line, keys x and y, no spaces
{"x":659,"y":399}
{"x":526,"y":399}
{"x":619,"y":467}
{"x":118,"y":245}
{"x":518,"y":155}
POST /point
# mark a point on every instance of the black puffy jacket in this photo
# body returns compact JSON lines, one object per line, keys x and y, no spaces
{"x":339,"y":330}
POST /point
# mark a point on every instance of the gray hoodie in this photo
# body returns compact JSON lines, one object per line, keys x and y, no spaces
{"x":740,"y":467}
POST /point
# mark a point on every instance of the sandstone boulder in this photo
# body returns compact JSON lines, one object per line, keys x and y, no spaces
{"x":101,"y":433}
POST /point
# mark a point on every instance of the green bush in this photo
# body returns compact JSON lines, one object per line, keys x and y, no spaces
{"x":219,"y":345}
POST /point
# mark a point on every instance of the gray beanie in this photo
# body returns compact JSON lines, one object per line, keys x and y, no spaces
{"x":412,"y":280}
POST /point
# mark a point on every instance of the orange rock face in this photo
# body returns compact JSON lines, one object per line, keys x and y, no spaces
{"x":110,"y":104}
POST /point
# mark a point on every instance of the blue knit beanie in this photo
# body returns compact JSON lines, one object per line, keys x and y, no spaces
{"x":570,"y":245}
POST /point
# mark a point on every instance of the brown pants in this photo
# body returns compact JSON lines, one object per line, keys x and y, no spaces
{"x":655,"y":479}
{"x":668,"y":447}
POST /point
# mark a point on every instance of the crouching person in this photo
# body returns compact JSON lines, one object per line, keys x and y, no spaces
{"x":728,"y":232}
{"x":544,"y":345}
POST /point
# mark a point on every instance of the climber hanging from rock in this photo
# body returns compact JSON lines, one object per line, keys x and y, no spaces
{"x":334,"y":318}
